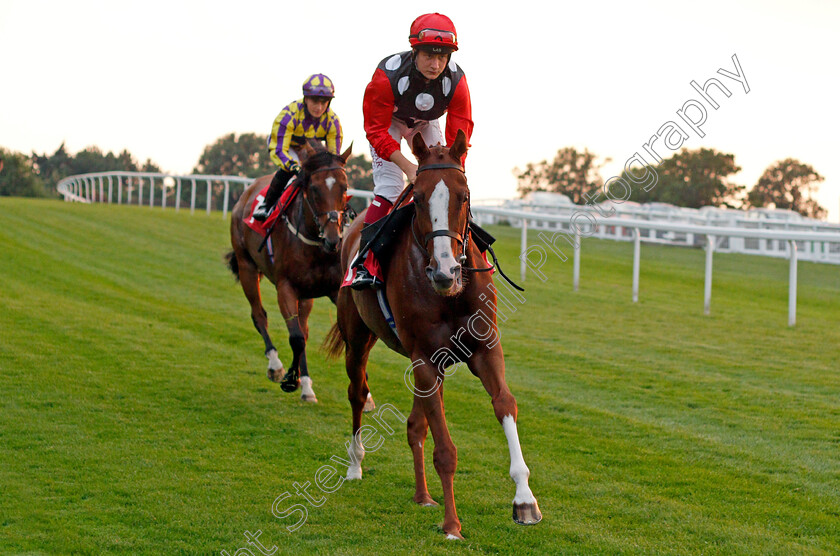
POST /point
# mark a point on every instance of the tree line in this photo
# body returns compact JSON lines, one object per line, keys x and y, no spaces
{"x":690,"y":178}
{"x":246,"y":155}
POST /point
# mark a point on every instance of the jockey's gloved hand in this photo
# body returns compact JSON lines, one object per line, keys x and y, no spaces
{"x":294,"y":168}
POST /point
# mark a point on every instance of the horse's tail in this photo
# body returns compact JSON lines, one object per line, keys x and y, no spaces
{"x":334,"y":342}
{"x":232,"y":263}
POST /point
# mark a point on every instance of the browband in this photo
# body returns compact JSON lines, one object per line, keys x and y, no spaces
{"x":326,"y":169}
{"x":441,"y":166}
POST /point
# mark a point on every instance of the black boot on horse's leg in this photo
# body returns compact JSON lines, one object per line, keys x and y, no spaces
{"x":291,"y":381}
{"x":278,"y":183}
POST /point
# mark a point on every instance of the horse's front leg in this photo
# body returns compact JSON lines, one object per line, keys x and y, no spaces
{"x":249,"y":277}
{"x":307,"y":394}
{"x":427,"y":389}
{"x":489,"y":366}
{"x":287,"y":299}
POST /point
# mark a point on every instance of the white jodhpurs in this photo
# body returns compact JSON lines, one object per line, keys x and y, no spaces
{"x":388,"y":179}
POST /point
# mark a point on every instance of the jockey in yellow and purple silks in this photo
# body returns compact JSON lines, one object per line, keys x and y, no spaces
{"x":310,"y":117}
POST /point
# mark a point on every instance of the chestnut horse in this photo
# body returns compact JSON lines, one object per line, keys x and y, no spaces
{"x":441,"y":318}
{"x":305,"y":263}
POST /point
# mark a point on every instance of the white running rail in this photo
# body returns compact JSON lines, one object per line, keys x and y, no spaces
{"x":558,"y":232}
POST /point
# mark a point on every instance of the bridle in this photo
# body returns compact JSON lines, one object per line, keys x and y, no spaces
{"x":332,"y":215}
{"x":462,"y":238}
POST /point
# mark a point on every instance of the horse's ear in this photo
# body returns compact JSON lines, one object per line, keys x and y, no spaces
{"x":459,"y":147}
{"x":346,"y":154}
{"x":305,"y":151}
{"x":419,"y":147}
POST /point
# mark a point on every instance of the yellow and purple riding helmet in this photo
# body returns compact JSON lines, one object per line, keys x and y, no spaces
{"x":318,"y":85}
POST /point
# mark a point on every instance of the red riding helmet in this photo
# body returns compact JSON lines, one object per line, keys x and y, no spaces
{"x":433,"y":30}
{"x":318,"y":85}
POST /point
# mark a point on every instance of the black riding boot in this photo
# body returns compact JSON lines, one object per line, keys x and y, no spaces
{"x":278,"y":184}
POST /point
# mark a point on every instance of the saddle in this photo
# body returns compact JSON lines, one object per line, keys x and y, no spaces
{"x":400,"y":219}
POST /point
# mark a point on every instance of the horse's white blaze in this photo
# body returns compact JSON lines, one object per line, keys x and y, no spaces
{"x":330,"y":181}
{"x":519,"y":472}
{"x":274,"y":362}
{"x":442,"y":246}
{"x":357,"y":453}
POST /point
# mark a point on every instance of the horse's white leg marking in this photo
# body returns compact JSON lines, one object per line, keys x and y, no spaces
{"x":330,"y":181}
{"x":274,"y":362}
{"x":307,"y":394}
{"x":439,"y":212}
{"x":519,"y":472}
{"x":369,"y":404}
{"x":357,"y":453}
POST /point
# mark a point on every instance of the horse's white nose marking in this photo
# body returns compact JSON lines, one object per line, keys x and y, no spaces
{"x":330,"y":181}
{"x":439,"y":212}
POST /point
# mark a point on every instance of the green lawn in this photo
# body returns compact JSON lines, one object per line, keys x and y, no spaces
{"x":135,"y":416}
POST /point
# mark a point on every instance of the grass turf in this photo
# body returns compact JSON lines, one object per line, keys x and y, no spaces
{"x":135,"y":416}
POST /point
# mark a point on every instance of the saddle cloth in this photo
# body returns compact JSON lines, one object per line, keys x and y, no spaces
{"x":263,"y":227}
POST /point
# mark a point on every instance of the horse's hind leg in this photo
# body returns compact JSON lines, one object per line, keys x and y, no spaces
{"x":307,"y":394}
{"x":489,"y":367}
{"x":417,"y":428}
{"x":249,"y":277}
{"x":358,"y":341}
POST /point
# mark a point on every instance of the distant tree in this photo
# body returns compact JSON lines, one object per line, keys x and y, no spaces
{"x":788,"y":184}
{"x":246,"y":156}
{"x":691,"y":179}
{"x":571,"y":172}
{"x":359,"y":176}
{"x":52,"y":168}
{"x":17,"y":177}
{"x":360,"y":172}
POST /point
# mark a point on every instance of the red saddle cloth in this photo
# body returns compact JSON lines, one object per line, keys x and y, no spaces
{"x":263,"y":227}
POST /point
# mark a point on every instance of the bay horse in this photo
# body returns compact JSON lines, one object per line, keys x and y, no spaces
{"x":302,"y":259}
{"x":441,"y":317}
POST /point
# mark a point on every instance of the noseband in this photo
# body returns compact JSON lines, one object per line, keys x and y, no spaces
{"x":332,"y":215}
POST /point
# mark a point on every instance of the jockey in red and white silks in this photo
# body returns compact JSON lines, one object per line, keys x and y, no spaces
{"x":407,"y":95}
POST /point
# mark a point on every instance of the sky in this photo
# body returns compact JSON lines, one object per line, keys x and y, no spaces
{"x":165,"y":79}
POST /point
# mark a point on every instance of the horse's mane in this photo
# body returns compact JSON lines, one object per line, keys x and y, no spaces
{"x":321,"y":159}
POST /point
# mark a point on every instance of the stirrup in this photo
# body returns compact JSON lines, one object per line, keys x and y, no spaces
{"x":364,"y":280}
{"x":261,"y":212}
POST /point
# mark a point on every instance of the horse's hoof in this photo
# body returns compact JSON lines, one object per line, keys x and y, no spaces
{"x":369,"y":405}
{"x":426,"y":501}
{"x":290,"y":382}
{"x":452,"y":535}
{"x":275,"y":375}
{"x":306,"y":392}
{"x":354,"y":474}
{"x":527,"y":514}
